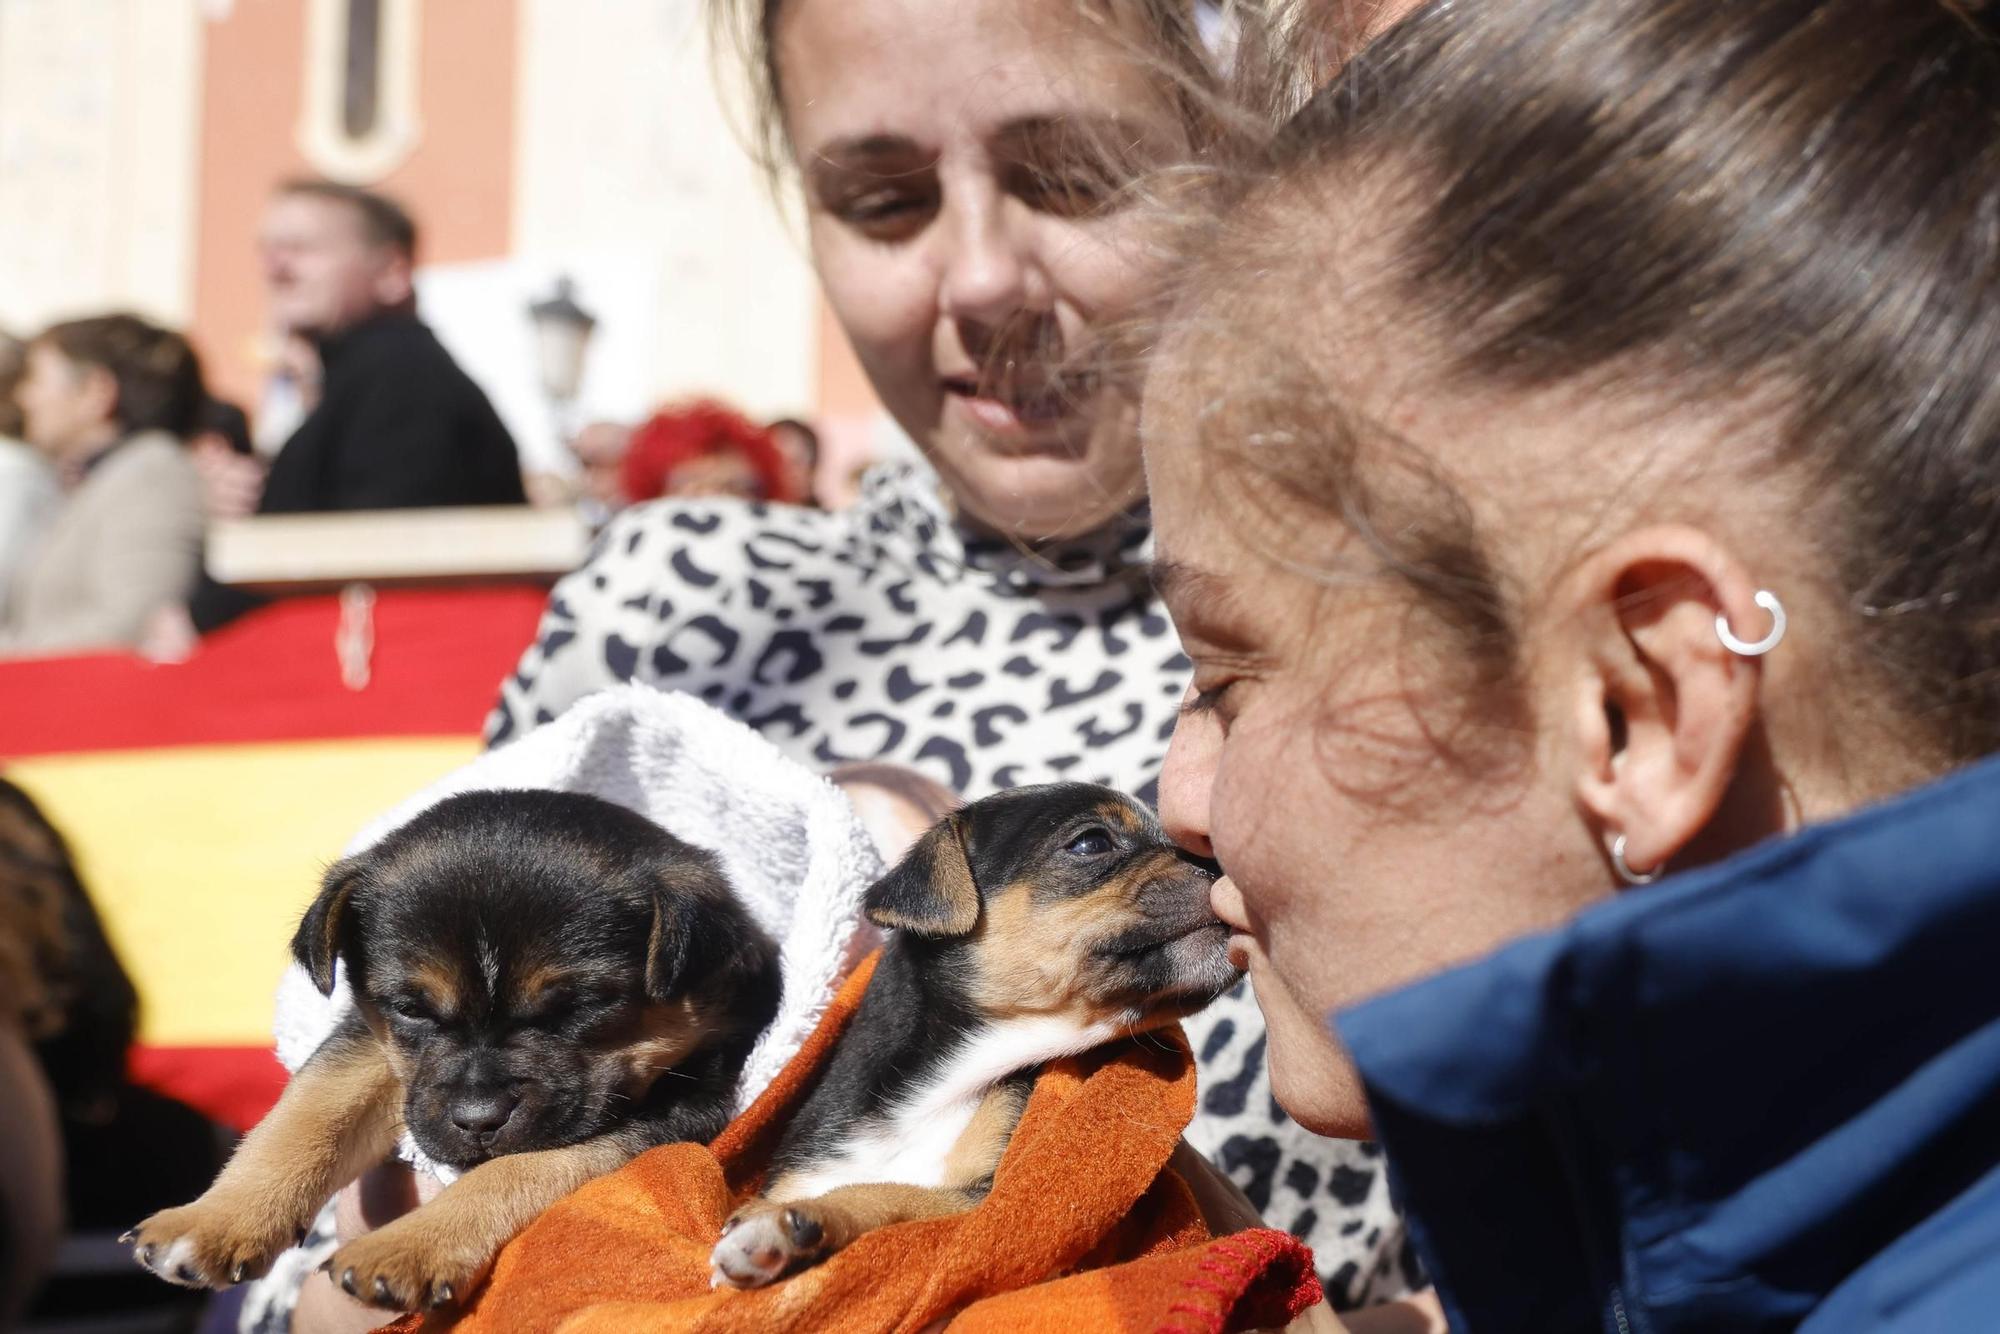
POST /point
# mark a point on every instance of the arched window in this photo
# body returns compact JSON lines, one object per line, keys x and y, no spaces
{"x":360,"y":119}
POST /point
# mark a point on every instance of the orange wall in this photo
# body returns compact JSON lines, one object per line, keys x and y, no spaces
{"x":458,"y":181}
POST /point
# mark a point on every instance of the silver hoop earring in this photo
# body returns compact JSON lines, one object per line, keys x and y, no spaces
{"x":1769,"y":602}
{"x":1625,"y":872}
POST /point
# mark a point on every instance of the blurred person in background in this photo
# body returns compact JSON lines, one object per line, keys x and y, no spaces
{"x":600,"y":450}
{"x":220,"y":425}
{"x":110,"y":403}
{"x":68,"y":1016}
{"x":28,"y":491}
{"x":705,"y":449}
{"x":597,"y":487}
{"x":397,"y":424}
{"x":799,"y":444}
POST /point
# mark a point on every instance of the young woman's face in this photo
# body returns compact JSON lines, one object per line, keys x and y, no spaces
{"x":964,"y":247}
{"x":1357,"y":854}
{"x":65,"y":408}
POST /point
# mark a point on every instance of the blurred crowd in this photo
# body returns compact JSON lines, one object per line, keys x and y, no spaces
{"x":115,"y":457}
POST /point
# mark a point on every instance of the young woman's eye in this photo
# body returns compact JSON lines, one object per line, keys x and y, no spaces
{"x":1090,"y":843}
{"x":886,"y":214}
{"x":1067,"y":193}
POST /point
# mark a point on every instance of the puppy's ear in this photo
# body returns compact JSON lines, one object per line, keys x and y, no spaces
{"x":687,"y":941}
{"x":316,"y":945}
{"x":931,"y":891}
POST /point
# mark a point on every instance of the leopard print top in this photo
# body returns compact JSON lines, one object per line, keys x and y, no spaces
{"x":889,"y":632}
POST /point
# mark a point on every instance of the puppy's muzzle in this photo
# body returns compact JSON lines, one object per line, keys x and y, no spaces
{"x":481,"y":1115}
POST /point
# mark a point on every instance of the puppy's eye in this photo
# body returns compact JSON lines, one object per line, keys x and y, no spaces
{"x":1090,"y":843}
{"x":411,"y":1010}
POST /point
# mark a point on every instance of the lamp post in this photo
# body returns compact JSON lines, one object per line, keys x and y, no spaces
{"x":562,"y":337}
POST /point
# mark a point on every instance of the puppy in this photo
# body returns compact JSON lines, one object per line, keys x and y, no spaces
{"x":1034,"y":924}
{"x":545,"y":985}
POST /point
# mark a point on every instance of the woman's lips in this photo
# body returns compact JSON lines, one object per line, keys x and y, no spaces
{"x":1226,"y":902}
{"x":1015,"y":410}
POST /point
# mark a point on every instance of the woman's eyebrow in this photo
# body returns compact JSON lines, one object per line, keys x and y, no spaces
{"x":871,"y":151}
{"x":1094,"y":129}
{"x":1196,"y":598}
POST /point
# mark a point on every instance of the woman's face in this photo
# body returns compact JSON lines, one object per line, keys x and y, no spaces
{"x":1357,"y":854}
{"x":65,"y":408}
{"x":966,"y":247}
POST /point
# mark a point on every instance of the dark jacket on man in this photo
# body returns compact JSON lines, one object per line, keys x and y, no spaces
{"x":398,"y":426}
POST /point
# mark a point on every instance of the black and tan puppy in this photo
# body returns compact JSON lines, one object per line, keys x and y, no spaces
{"x":1031,"y":925}
{"x":545,"y":985}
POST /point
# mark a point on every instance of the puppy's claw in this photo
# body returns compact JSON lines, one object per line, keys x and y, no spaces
{"x":347,"y":1283}
{"x":128,"y":1236}
{"x":441,"y":1297}
{"x":382,"y":1297}
{"x":806,"y":1232}
{"x":146,"y":1255}
{"x":236,"y":1274}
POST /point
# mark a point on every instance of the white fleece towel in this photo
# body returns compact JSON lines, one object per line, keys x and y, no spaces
{"x":789,"y":840}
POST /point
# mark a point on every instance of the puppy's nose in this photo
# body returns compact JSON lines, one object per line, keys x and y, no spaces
{"x":482,"y":1115}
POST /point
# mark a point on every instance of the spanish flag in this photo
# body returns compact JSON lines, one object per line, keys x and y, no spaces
{"x":204,"y":799}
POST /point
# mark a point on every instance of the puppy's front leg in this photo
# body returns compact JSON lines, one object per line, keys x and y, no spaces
{"x":438,"y":1253}
{"x":771,"y":1237}
{"x":339,"y":1115}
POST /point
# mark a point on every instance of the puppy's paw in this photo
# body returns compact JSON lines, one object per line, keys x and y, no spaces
{"x":211,"y":1243}
{"x":763,"y":1241}
{"x":411,"y":1265}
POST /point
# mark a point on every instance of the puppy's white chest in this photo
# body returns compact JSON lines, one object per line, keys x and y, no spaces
{"x":911,"y":1145}
{"x":910,"y":1149}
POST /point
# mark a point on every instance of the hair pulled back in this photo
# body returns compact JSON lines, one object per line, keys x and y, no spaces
{"x":1712,"y":202}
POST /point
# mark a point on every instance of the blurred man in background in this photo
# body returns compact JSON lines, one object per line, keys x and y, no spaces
{"x":397,"y":424}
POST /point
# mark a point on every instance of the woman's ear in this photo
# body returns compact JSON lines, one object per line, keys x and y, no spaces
{"x":1662,"y":707}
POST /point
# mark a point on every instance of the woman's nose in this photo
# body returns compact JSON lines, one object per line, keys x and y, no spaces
{"x":1184,"y":785}
{"x":988,"y":276}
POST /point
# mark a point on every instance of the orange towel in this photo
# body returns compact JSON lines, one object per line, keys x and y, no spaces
{"x":1086,"y":1228}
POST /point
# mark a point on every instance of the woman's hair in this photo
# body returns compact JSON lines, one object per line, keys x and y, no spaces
{"x":680,"y":434}
{"x":1789,"y":208}
{"x":157,"y":372}
{"x":61,"y":983}
{"x":1168,"y":34}
{"x":13,"y":360}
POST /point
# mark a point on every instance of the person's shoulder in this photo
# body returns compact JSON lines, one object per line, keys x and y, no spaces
{"x":22,"y":469}
{"x":1941,"y":1277}
{"x":399,"y":345}
{"x":149,"y":459}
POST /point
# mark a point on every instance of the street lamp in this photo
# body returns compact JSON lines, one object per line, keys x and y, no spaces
{"x":562,"y":336}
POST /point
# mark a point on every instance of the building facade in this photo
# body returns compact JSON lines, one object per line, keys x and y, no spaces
{"x":532,"y":139}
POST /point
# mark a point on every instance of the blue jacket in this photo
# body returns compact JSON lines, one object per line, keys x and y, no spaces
{"x":1760,"y":1096}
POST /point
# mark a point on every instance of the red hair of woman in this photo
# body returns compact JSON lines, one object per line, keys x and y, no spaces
{"x":705,"y":448}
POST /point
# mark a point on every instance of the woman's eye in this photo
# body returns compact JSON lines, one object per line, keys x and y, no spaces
{"x":890,"y":214}
{"x":1067,"y":194}
{"x":1090,"y":843}
{"x":1206,"y":700}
